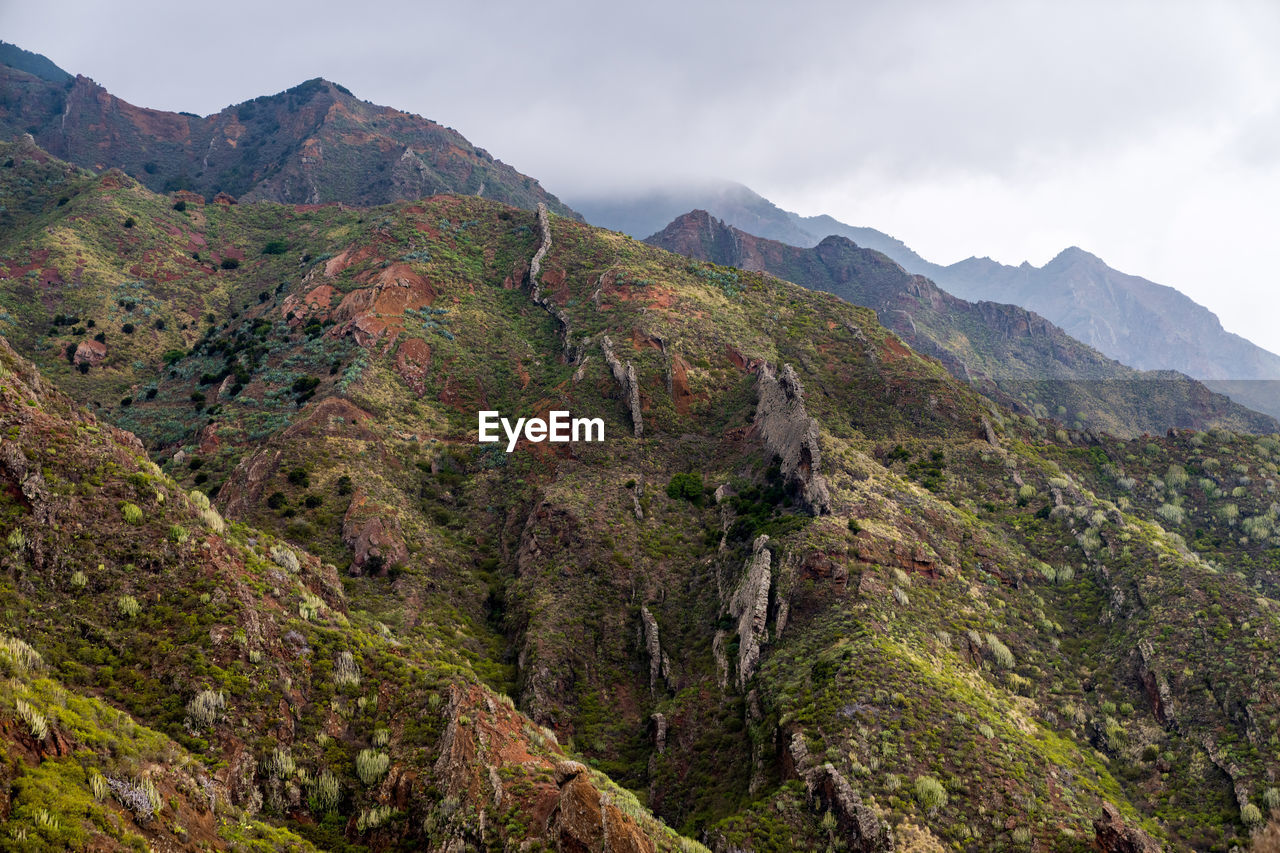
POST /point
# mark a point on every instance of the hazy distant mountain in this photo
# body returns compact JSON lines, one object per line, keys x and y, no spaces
{"x":1013,"y":355}
{"x":314,"y":143}
{"x":1135,"y":321}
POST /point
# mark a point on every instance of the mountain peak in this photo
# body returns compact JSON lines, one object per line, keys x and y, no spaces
{"x":1075,"y":255}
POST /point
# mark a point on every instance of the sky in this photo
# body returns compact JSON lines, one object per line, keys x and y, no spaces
{"x":1147,"y":133}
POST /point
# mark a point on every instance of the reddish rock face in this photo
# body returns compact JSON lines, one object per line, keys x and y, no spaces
{"x":413,"y":363}
{"x":90,"y":352}
{"x":372,"y":532}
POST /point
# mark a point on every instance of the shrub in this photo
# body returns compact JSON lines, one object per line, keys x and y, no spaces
{"x":1170,"y":513}
{"x":132,"y":513}
{"x":310,"y":607}
{"x":686,"y":486}
{"x":130,"y":222}
{"x":346,"y":673}
{"x":1271,"y":798}
{"x":229,"y":263}
{"x":206,"y":708}
{"x":128,"y":606}
{"x":1000,"y":652}
{"x":279,"y":764}
{"x":325,"y":793}
{"x":1251,"y":815}
{"x":371,"y":765}
{"x":854,"y":527}
{"x":127,"y":328}
{"x":35,"y":722}
{"x":381,"y":737}
{"x":986,"y":731}
{"x":285,"y":558}
{"x":275,"y":247}
{"x":929,"y":793}
{"x":79,"y":579}
{"x":180,"y":205}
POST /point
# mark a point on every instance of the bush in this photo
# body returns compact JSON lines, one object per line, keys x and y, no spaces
{"x":1000,"y":652}
{"x":346,"y":673}
{"x":180,"y":206}
{"x":230,"y":263}
{"x":275,"y":247}
{"x":1251,"y":815}
{"x":371,"y":765}
{"x":687,"y":487}
{"x":132,"y":513}
{"x":130,"y":222}
{"x":325,"y":793}
{"x":128,"y":606}
{"x":206,"y":708}
{"x":929,"y":793}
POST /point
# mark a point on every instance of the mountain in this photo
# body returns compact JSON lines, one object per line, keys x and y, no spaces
{"x":1139,"y":323}
{"x":1142,"y":323}
{"x":809,"y":591}
{"x":647,"y":212}
{"x":1011,"y":354}
{"x":313,"y":144}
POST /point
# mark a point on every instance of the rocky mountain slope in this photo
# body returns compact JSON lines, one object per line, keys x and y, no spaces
{"x":313,"y":144}
{"x":810,"y":591}
{"x":1011,"y":354}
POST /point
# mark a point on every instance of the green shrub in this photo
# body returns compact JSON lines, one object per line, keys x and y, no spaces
{"x":999,"y":652}
{"x":929,"y":793}
{"x":686,"y":486}
{"x":229,"y":263}
{"x":131,"y":512}
{"x":275,"y":247}
{"x":325,"y":793}
{"x":180,"y":205}
{"x":206,"y":708}
{"x":1251,"y":815}
{"x":128,"y":606}
{"x":371,"y":765}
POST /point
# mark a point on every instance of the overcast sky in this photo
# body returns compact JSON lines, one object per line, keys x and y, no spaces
{"x":1146,"y":133}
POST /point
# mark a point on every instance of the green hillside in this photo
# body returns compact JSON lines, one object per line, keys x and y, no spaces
{"x":810,"y":592}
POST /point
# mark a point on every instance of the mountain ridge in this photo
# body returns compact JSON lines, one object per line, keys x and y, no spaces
{"x":1008,"y":352}
{"x":1142,"y":324}
{"x":314,"y":143}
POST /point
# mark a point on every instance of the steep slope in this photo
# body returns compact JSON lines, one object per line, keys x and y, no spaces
{"x":313,"y":144}
{"x":809,"y":591}
{"x":175,"y":682}
{"x":1009,"y":353}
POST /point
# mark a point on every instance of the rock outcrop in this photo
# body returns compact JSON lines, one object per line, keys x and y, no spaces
{"x":1113,"y":835}
{"x":373,"y":534}
{"x":788,"y":431}
{"x":571,"y":353}
{"x":859,"y":825}
{"x":659,"y":664}
{"x":626,"y":379}
{"x":90,"y":352}
{"x":750,"y":606}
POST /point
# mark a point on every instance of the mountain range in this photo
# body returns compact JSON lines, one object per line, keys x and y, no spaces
{"x":1012,"y":354}
{"x":313,"y":144}
{"x":1137,"y":322}
{"x":264,"y":589}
